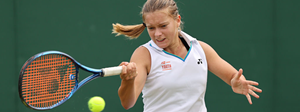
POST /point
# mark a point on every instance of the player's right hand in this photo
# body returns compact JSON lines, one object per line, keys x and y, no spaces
{"x":129,"y":71}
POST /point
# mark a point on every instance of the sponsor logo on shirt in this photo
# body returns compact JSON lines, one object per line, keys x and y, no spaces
{"x":166,"y":65}
{"x":199,"y":61}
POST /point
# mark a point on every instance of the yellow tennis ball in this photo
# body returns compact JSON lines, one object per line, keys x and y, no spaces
{"x":96,"y":104}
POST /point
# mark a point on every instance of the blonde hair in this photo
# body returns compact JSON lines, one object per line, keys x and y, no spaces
{"x":134,"y":31}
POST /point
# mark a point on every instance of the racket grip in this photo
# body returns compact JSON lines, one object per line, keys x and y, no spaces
{"x":111,"y":71}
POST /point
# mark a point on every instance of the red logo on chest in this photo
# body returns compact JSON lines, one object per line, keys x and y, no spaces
{"x":166,"y":65}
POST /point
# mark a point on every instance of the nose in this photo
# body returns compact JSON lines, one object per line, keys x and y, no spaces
{"x":157,"y":33}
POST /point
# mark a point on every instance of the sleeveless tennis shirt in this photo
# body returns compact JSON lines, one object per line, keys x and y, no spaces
{"x":175,"y":84}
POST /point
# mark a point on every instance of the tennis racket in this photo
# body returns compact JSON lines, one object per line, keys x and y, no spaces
{"x":50,"y":78}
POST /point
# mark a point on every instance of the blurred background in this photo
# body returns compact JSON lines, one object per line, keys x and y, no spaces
{"x":260,"y":36}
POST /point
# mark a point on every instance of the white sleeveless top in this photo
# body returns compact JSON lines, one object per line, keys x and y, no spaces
{"x":175,"y":84}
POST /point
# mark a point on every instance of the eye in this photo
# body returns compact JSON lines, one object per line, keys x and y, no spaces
{"x":150,"y":28}
{"x":164,"y":26}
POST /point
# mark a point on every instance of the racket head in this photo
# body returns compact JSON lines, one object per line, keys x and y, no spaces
{"x":47,"y":80}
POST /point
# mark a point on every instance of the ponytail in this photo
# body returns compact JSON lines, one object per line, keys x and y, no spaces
{"x":131,"y":31}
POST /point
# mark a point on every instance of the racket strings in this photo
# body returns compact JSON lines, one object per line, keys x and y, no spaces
{"x":46,"y":80}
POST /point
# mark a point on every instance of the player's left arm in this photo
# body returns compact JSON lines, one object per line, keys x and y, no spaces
{"x":229,"y":74}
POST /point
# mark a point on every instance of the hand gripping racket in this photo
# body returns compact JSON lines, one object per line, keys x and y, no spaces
{"x":50,"y":78}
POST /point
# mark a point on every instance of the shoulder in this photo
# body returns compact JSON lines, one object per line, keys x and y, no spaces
{"x":142,"y":50}
{"x":210,"y":53}
{"x":204,"y":45}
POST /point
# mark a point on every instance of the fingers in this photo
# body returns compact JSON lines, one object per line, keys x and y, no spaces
{"x":123,"y":63}
{"x":129,"y":71}
{"x":124,"y":70}
{"x":252,"y":83}
{"x":253,"y":94}
{"x":251,"y":87}
{"x":255,"y":89}
{"x":239,"y":74}
{"x":249,"y":99}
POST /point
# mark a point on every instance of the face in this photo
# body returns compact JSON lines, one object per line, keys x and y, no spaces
{"x":162,"y":28}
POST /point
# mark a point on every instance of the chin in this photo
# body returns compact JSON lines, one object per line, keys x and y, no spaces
{"x":162,"y":45}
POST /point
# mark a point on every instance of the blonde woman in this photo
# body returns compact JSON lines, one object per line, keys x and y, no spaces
{"x":171,"y":69}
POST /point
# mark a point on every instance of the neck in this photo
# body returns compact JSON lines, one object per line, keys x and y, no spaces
{"x":176,"y":47}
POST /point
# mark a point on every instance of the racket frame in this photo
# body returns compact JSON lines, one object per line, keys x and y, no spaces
{"x":96,"y":73}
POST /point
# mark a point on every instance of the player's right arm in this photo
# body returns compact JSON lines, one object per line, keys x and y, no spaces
{"x":134,"y":77}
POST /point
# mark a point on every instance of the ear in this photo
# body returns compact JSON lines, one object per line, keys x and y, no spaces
{"x":178,"y":20}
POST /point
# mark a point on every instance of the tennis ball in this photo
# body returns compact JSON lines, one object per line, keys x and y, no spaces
{"x":96,"y":104}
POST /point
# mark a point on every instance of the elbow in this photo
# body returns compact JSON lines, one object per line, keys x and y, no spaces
{"x":126,"y":106}
{"x":127,"y":103}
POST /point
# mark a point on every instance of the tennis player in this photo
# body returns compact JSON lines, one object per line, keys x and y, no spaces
{"x":171,"y":69}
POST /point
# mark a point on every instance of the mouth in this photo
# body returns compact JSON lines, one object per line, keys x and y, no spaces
{"x":160,"y":40}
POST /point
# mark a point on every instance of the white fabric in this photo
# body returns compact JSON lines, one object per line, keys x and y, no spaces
{"x":175,"y":84}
